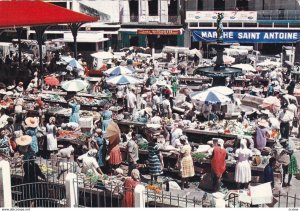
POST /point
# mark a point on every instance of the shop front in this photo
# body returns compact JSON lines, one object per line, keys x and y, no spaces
{"x":153,"y":38}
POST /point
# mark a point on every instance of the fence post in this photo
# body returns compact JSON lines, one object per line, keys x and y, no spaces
{"x":139,"y":196}
{"x":5,"y":185}
{"x":71,"y":190}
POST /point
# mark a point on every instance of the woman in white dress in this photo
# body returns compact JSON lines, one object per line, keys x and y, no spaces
{"x":243,"y":167}
{"x":51,"y":135}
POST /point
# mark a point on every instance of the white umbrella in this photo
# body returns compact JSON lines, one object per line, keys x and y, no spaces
{"x":224,"y":90}
{"x":268,"y":62}
{"x":226,"y":59}
{"x":245,"y":67}
{"x":123,"y":80}
{"x":74,"y":85}
{"x":210,"y":97}
{"x":75,"y":64}
{"x":119,"y":70}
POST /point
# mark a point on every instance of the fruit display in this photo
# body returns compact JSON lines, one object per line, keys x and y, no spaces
{"x":154,"y":188}
{"x":69,"y":134}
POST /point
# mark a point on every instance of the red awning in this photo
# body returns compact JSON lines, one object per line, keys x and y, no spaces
{"x":17,"y":13}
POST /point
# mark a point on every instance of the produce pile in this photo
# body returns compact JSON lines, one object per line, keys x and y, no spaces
{"x":54,"y":98}
{"x":227,"y":127}
{"x":46,"y":170}
{"x":199,"y":156}
{"x":88,"y":101}
{"x":143,"y":146}
{"x":69,"y":134}
{"x":154,"y":188}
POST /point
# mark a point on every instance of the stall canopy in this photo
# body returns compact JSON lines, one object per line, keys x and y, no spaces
{"x":18,"y":13}
{"x":39,"y":14}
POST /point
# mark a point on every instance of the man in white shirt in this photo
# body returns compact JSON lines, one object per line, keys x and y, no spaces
{"x":285,"y":117}
{"x":89,"y":161}
{"x":166,"y":107}
{"x":156,"y":102}
{"x":131,"y":101}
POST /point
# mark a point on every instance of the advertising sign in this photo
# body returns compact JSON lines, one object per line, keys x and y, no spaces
{"x":158,"y":32}
{"x":229,"y":16}
{"x":247,"y":36}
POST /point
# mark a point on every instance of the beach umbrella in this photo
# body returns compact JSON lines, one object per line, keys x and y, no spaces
{"x":245,"y":67}
{"x":123,"y":80}
{"x":210,"y":97}
{"x":51,"y":81}
{"x":75,"y":64}
{"x":224,"y":90}
{"x":271,"y":103}
{"x":226,"y":59}
{"x":119,"y":70}
{"x":66,"y":59}
{"x":76,"y":85}
{"x":113,"y":133}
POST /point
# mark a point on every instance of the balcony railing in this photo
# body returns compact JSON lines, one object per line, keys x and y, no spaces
{"x":278,"y":15}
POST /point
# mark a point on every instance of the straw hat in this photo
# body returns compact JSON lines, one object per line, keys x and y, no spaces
{"x":10,"y":87}
{"x":24,"y":140}
{"x":263,"y":123}
{"x":32,"y":122}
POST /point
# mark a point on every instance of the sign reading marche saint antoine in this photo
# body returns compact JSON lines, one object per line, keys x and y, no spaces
{"x":247,"y":36}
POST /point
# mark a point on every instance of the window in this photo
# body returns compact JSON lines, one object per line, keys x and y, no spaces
{"x":219,"y":4}
{"x":153,"y":7}
{"x":242,"y":5}
{"x":134,"y":8}
{"x":200,"y":5}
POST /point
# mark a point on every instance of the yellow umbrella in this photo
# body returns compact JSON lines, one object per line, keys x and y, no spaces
{"x":113,"y":133}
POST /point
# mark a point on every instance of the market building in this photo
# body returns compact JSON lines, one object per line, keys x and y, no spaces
{"x":151,"y":24}
{"x":265,"y":25}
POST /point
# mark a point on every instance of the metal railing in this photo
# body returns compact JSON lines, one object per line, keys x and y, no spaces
{"x":51,"y":192}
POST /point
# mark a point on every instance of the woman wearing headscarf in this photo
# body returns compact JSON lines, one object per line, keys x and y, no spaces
{"x":75,"y":111}
{"x":243,"y":168}
{"x":129,"y":185}
{"x":101,"y":147}
{"x":32,"y":123}
{"x":154,"y":160}
{"x":51,"y":136}
{"x":187,"y":165}
{"x":106,"y":118}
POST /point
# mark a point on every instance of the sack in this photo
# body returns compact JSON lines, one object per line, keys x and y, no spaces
{"x":256,"y":160}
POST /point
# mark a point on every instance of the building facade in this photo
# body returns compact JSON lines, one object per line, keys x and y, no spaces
{"x":265,"y":24}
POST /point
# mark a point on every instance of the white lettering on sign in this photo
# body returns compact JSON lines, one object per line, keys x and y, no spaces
{"x":209,"y":34}
{"x":248,"y":35}
{"x":281,"y":35}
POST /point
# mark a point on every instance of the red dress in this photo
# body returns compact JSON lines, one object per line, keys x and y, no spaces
{"x":218,"y":163}
{"x":115,"y":154}
{"x":128,"y":198}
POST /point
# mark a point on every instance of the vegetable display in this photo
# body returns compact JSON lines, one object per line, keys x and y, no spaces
{"x":199,"y":156}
